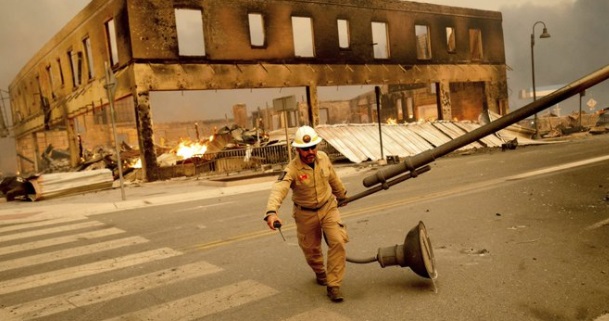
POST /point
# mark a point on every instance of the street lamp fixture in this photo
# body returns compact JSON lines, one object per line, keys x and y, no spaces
{"x":544,"y":34}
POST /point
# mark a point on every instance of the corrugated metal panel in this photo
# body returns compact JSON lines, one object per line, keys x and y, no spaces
{"x":508,"y":135}
{"x":369,"y":144}
{"x":418,"y":142}
{"x":451,"y":130}
{"x":334,"y":136}
{"x":404,"y":140}
{"x":57,"y":184}
{"x":369,"y":136}
{"x":490,"y":140}
{"x":360,"y":142}
{"x":431,"y":134}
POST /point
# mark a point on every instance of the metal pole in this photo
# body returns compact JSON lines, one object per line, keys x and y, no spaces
{"x":544,"y":34}
{"x":581,"y":94}
{"x":287,"y":136}
{"x":536,"y":136}
{"x":110,"y":90}
{"x":377,"y":92}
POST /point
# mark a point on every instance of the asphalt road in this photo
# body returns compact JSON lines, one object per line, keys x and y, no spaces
{"x":517,"y":235}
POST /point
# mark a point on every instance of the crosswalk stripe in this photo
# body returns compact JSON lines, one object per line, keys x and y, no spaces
{"x":74,"y":272}
{"x":203,"y":304}
{"x":40,"y":223}
{"x":70,"y":253}
{"x":51,"y":230}
{"x":318,"y":314}
{"x":105,"y":292}
{"x":59,"y":240}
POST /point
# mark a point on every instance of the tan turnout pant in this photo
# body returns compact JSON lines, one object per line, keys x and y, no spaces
{"x":309,"y":227}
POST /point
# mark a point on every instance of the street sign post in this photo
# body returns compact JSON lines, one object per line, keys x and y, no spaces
{"x":111,"y":91}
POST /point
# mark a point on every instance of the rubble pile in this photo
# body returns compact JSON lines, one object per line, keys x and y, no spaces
{"x":602,"y":124}
{"x":228,"y":149}
{"x":553,"y":126}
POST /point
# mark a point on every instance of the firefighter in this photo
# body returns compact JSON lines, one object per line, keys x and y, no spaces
{"x":316,"y":191}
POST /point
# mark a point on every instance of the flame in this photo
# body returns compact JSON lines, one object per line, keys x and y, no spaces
{"x":137,"y":164}
{"x":188,"y":149}
{"x":185,"y":150}
{"x":391,"y":121}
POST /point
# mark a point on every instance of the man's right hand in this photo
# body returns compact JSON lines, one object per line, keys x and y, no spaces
{"x":270,"y":219}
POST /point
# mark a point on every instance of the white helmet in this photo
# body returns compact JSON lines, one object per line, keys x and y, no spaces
{"x":305,"y":137}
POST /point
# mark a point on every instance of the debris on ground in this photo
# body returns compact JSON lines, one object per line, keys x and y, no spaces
{"x":512,"y":144}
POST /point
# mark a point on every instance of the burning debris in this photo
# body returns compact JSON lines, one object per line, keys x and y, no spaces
{"x":229,"y":149}
{"x":201,"y":151}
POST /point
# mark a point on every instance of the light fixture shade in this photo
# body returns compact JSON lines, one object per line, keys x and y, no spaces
{"x":545,"y":33}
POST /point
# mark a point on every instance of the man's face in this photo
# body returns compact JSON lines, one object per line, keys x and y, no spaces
{"x":307,"y":154}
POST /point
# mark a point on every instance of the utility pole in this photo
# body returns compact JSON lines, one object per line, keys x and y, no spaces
{"x":377,"y":92}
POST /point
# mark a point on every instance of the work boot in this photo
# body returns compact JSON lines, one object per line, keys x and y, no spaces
{"x":321,"y":278}
{"x":334,"y":294}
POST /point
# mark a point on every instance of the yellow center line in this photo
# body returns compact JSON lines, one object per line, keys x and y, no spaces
{"x":376,"y":209}
{"x":371,"y":210}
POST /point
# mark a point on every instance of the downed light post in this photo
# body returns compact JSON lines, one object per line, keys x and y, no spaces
{"x":416,"y":252}
{"x":411,"y":163}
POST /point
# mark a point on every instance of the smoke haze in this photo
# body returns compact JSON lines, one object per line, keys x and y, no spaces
{"x":578,"y":46}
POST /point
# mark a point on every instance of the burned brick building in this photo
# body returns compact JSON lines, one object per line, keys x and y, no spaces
{"x":430,"y":61}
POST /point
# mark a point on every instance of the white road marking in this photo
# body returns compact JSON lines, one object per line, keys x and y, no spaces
{"x":558,"y":168}
{"x":70,"y":253}
{"x":200,"y":207}
{"x":17,"y":227}
{"x":105,"y":292}
{"x":318,"y":314}
{"x":598,"y":224}
{"x":51,"y":230}
{"x":51,"y":277}
{"x":604,"y":317}
{"x":203,"y":304}
{"x":59,"y":240}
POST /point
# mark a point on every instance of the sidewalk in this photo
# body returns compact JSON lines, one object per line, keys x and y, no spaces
{"x":137,"y":195}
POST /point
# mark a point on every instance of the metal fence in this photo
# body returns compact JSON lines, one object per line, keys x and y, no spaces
{"x":234,"y":161}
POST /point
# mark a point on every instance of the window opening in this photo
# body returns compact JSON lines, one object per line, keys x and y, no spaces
{"x":99,"y":116}
{"x":256,"y":23}
{"x":400,"y":109}
{"x":302,"y":29}
{"x":475,"y":44}
{"x":75,"y":66}
{"x":380,"y":42}
{"x":324,"y":115}
{"x":80,"y":125}
{"x":89,"y":54}
{"x":63,"y":81}
{"x":50,"y":79}
{"x":111,"y":39}
{"x":344,"y":38}
{"x":124,"y":111}
{"x":410,"y":107}
{"x":191,"y":39}
{"x":451,"y":44}
{"x":423,"y":42}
